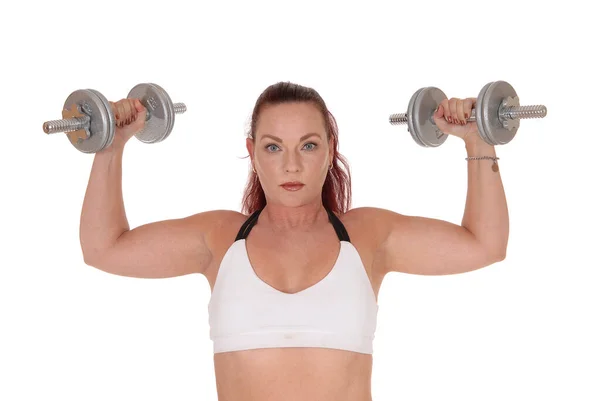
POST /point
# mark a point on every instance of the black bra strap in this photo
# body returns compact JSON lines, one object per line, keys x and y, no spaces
{"x":248,"y":224}
{"x":338,"y":226}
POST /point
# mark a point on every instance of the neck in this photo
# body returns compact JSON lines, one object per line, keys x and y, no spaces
{"x":282,"y":218}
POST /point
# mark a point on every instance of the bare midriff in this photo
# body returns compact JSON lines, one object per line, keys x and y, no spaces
{"x":293,"y":374}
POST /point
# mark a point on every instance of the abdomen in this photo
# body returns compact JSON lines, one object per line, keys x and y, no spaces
{"x":292,"y":374}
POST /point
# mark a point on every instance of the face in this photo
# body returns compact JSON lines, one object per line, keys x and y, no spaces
{"x":285,"y":150}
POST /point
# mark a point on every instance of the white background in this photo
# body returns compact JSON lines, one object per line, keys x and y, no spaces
{"x":522,"y":329}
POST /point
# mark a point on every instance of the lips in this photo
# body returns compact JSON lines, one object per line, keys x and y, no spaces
{"x":292,"y":187}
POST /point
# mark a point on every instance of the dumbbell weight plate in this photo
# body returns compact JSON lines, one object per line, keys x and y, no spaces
{"x":420,"y":117}
{"x":102,"y":121}
{"x":410,"y":118}
{"x":161,"y":113}
{"x":112,"y":121}
{"x":489,"y":100}
{"x":479,"y":113}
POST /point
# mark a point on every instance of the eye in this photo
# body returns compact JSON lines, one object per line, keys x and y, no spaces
{"x":308,"y":143}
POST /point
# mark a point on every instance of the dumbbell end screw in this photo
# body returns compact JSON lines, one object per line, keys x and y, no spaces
{"x":66,"y":125}
{"x":400,"y":118}
{"x":525,"y":112}
{"x":180,"y":108}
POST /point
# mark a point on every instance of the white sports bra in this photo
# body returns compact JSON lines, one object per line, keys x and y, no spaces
{"x":339,"y":312}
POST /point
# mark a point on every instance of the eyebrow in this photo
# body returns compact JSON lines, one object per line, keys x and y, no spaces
{"x":281,"y":141}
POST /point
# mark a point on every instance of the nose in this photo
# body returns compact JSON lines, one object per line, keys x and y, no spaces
{"x":291,"y":162}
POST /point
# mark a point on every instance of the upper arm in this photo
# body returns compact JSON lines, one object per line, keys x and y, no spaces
{"x":426,"y":246}
{"x":163,"y":249}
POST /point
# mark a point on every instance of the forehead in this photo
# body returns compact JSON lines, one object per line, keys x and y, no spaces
{"x":281,"y":118}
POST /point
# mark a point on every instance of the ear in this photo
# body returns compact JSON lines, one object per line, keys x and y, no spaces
{"x":250,"y":148}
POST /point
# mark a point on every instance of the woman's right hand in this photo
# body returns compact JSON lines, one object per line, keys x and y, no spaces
{"x":130,"y":117}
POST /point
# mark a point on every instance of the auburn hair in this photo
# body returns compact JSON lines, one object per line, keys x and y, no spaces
{"x":337,"y":189}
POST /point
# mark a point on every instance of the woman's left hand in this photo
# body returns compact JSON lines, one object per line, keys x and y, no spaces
{"x":451,"y":117}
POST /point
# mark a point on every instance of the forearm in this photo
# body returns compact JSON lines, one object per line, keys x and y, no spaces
{"x":486,"y":211}
{"x":103,"y":217}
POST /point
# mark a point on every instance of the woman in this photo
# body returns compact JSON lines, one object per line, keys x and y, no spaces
{"x":294,"y":278}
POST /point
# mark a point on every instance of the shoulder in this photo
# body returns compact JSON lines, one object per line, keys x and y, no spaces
{"x":214,"y":220}
{"x":216,"y":225}
{"x":369,"y":223}
{"x":371,"y":218}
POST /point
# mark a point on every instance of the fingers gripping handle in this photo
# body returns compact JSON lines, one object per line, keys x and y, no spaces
{"x":130,"y":114}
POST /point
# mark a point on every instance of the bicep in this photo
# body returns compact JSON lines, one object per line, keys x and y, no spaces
{"x":160,"y":249}
{"x":428,"y":246}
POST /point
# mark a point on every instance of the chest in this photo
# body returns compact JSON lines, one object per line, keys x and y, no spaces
{"x":291,"y":267}
{"x":294,"y":264}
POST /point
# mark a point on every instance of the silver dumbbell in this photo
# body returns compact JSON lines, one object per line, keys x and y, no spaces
{"x":89,"y":121}
{"x":497,"y":113}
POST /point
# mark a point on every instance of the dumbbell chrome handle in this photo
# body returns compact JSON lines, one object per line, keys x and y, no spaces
{"x":74,"y":124}
{"x":512,"y":113}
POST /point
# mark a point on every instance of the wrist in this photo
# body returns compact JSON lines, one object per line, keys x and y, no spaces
{"x":117,"y":147}
{"x":475,"y":144}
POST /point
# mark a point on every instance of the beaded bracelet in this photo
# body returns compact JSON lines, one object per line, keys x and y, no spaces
{"x":495,"y":159}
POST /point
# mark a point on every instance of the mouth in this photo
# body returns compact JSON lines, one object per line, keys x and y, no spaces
{"x":292,"y":186}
